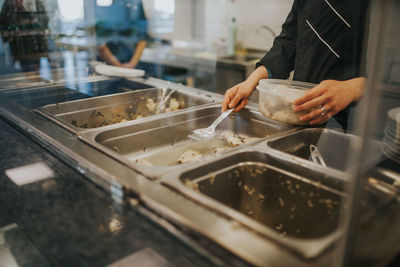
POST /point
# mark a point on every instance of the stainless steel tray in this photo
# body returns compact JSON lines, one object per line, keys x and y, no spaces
{"x":174,"y":197}
{"x":36,"y":97}
{"x":294,"y":206}
{"x":159,"y":142}
{"x":334,"y":146}
{"x":35,"y":78}
{"x":81,"y":115}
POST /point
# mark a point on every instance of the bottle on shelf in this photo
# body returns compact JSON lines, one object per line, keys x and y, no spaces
{"x":232,"y":38}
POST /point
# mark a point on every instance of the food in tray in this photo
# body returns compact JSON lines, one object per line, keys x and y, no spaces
{"x":277,"y":97}
{"x":233,"y":139}
{"x":189,"y":156}
{"x":173,"y":105}
{"x":280,"y":109}
{"x":194,"y":151}
{"x":220,"y":149}
{"x":144,"y":161}
{"x":123,"y":113}
{"x":150,"y":105}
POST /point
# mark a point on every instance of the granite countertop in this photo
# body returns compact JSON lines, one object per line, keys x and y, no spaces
{"x":68,"y":221}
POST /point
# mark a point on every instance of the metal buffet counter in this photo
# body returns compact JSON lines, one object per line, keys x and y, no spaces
{"x":253,"y":189}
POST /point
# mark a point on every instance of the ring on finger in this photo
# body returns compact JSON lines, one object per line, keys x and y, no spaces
{"x":324,"y":111}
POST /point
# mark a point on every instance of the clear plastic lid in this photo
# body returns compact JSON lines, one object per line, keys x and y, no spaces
{"x":284,"y":87}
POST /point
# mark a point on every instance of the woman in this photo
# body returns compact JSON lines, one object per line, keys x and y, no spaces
{"x":321,"y":41}
{"x":24,"y":25}
{"x":123,"y":54}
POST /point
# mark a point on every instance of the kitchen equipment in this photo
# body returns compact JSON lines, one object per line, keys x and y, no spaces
{"x":230,"y":218}
{"x":81,"y":115}
{"x":277,"y":96}
{"x":42,"y":78}
{"x":334,"y":145}
{"x":316,"y":156}
{"x":295,"y":206}
{"x":160,"y":141}
{"x":205,"y":134}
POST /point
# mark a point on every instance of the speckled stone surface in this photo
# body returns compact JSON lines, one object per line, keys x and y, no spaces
{"x":69,"y":221}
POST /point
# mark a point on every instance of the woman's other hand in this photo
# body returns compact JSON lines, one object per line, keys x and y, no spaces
{"x":106,"y":54}
{"x":331,"y":97}
{"x":128,"y":65}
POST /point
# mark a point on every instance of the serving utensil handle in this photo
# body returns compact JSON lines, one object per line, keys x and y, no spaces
{"x":316,"y":156}
{"x":221,"y":118}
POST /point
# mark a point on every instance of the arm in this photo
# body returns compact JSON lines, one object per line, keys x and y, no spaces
{"x":136,"y":56}
{"x":243,"y":90}
{"x":333,"y":95}
{"x":279,"y":61}
{"x":108,"y":56}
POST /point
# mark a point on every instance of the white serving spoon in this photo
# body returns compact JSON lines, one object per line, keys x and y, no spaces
{"x":208,"y":133}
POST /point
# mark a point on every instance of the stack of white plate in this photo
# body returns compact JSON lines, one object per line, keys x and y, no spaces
{"x":391,"y":142}
{"x":108,"y":70}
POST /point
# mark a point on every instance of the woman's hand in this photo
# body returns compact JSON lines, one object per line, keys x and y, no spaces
{"x":331,"y":97}
{"x":243,"y":90}
{"x":106,"y":54}
{"x":234,"y":95}
{"x":128,"y":65}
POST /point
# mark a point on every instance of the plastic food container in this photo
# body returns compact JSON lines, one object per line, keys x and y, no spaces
{"x":277,"y":96}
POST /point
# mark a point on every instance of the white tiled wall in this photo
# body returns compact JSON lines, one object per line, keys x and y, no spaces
{"x":251,"y":14}
{"x":215,"y":16}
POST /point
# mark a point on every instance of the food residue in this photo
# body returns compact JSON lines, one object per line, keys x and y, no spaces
{"x":281,"y":203}
{"x":189,"y":156}
{"x":150,"y":105}
{"x":173,"y":105}
{"x":124,"y":113}
{"x":195,"y":151}
{"x":212,"y":178}
{"x":233,"y":139}
{"x":144,"y":161}
{"x":192,"y":185}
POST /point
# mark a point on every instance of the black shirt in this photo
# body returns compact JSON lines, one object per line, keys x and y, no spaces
{"x":320,"y":40}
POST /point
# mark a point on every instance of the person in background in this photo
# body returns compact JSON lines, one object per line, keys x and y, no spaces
{"x":123,"y":54}
{"x":24,"y":25}
{"x":321,"y":41}
{"x":120,"y":54}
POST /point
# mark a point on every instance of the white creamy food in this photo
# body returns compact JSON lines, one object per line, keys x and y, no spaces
{"x":150,"y":105}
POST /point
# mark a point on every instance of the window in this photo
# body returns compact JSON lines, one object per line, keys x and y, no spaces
{"x":71,"y":10}
{"x":162,"y":14}
{"x":166,"y":8}
{"x":104,"y":2}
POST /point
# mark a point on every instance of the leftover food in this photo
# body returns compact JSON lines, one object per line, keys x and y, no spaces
{"x":189,"y":156}
{"x":124,"y":113}
{"x":193,"y":151}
